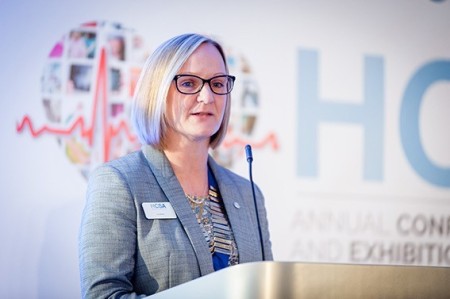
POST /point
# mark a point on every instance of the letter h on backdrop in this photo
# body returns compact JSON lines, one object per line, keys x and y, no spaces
{"x":312,"y":110}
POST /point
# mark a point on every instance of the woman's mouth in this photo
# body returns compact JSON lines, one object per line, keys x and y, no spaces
{"x":202,"y":114}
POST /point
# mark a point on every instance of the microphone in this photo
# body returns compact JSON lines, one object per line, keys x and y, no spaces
{"x":248,"y":153}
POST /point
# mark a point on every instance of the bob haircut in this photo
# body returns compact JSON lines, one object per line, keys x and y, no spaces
{"x":149,"y":103}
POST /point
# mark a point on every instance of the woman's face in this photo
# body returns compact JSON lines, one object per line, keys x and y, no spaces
{"x":196,"y":117}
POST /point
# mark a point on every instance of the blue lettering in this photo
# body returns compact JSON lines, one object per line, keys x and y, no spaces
{"x":409,"y":122}
{"x":158,"y":206}
{"x":312,"y":110}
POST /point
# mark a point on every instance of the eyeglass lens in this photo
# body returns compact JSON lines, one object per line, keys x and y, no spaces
{"x":190,"y":84}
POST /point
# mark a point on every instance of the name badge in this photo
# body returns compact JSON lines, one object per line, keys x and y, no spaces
{"x":158,"y":210}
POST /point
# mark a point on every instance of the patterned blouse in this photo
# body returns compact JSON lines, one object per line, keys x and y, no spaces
{"x":213,"y":221}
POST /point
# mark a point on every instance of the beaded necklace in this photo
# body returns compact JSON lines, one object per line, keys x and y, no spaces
{"x":197,"y":202}
{"x":212,"y":218}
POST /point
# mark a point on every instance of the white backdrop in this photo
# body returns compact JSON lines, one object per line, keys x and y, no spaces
{"x":351,"y":142}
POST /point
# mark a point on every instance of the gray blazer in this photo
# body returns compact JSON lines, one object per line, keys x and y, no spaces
{"x":125,"y":255}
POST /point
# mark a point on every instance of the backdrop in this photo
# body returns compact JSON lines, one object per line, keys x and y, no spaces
{"x":346,"y":105}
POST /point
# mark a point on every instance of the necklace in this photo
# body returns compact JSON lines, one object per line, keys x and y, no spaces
{"x":198,"y":200}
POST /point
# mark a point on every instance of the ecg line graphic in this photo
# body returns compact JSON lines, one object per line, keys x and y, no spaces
{"x":108,"y":131}
{"x":270,"y":139}
{"x":100,"y":106}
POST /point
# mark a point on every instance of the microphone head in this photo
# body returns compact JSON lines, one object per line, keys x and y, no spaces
{"x":248,"y":153}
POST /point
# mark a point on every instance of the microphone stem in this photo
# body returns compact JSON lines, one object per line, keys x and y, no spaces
{"x":256,"y":207}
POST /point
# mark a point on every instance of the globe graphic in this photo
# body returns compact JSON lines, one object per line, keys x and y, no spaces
{"x":88,"y":83}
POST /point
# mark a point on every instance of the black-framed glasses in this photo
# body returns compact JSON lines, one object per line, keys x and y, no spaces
{"x":191,"y":84}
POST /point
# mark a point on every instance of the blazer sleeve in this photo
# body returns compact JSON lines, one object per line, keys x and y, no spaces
{"x":107,"y":238}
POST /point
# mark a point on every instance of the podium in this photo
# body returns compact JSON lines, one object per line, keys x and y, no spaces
{"x":286,"y":280}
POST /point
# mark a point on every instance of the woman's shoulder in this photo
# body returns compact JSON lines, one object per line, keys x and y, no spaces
{"x":130,"y":159}
{"x":131,"y":162}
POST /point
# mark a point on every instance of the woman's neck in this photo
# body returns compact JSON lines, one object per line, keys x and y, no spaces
{"x":190,"y":165}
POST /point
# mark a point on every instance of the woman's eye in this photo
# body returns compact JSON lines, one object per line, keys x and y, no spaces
{"x":218,"y":83}
{"x":189,"y":84}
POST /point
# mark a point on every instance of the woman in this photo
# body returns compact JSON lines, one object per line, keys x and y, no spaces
{"x":168,"y":214}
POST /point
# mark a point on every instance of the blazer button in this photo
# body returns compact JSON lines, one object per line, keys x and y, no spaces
{"x":237,"y":205}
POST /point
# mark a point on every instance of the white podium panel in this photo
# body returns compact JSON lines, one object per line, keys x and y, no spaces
{"x":285,"y":280}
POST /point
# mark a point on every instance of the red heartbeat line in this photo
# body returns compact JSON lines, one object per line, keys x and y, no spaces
{"x":270,"y":139}
{"x":109,"y":130}
{"x":88,"y":131}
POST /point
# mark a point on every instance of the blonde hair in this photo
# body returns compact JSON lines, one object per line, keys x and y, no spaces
{"x":149,"y":103}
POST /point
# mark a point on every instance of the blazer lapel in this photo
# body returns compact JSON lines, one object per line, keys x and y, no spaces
{"x":238,"y":213}
{"x":168,"y":182}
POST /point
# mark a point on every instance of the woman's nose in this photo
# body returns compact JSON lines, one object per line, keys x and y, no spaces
{"x":205,"y":95}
